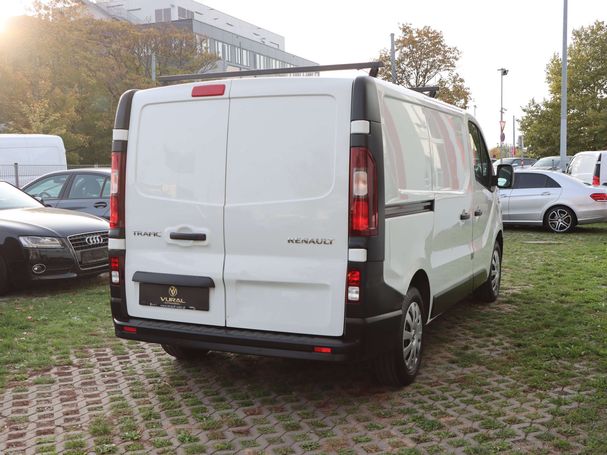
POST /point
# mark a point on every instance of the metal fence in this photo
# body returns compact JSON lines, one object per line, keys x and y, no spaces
{"x":21,"y":174}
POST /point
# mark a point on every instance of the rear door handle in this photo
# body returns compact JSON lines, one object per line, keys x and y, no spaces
{"x":187,"y":236}
{"x":465,"y":215}
{"x":478,"y":212}
{"x":99,"y":205}
{"x":546,"y":193}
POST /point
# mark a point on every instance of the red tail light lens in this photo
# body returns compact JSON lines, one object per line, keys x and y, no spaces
{"x":117,"y":190}
{"x":599,"y":197}
{"x":595,"y":180}
{"x":363,"y":193}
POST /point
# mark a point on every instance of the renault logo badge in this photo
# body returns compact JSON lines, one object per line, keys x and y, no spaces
{"x":172,"y":291}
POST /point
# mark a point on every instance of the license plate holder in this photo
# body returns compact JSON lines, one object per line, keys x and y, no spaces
{"x":92,"y":256}
{"x":176,"y":297}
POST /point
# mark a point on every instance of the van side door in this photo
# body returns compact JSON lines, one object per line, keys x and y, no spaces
{"x":485,"y":209}
{"x":451,"y":255}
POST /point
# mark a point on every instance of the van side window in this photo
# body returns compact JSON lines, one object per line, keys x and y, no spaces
{"x":406,"y":150}
{"x":480,"y":156}
{"x":449,"y":160}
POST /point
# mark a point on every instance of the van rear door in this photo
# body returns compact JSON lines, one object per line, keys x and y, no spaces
{"x":175,"y":190}
{"x":286,"y":212}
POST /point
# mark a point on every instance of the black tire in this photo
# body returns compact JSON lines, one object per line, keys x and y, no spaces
{"x":182,"y":353}
{"x":560,"y":219}
{"x":399,"y":365}
{"x":489,"y":291}
{"x":4,"y":281}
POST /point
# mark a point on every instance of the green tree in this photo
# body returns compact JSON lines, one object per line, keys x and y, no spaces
{"x":423,"y":58}
{"x":62,"y":72}
{"x":586,"y":98}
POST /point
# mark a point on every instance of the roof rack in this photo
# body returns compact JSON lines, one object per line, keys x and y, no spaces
{"x":430,"y":90}
{"x":374,"y":69}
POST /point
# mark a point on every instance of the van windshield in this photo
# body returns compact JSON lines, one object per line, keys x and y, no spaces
{"x":13,"y":198}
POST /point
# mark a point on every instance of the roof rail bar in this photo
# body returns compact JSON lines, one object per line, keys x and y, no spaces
{"x":430,"y":90}
{"x":374,"y":66}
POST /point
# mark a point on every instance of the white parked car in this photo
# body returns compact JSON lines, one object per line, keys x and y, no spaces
{"x":303,"y":217}
{"x":553,"y":200}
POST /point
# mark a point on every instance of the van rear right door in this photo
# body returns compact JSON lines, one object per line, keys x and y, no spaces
{"x":286,"y":211}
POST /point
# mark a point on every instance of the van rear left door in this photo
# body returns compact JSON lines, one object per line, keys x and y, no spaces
{"x":175,"y":189}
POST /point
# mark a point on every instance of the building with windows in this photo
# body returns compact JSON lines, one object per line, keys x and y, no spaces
{"x":238,"y":44}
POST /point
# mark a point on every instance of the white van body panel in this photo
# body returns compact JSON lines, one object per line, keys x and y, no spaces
{"x":176,"y":183}
{"x":39,"y":153}
{"x":301,"y":130}
{"x":449,"y":249}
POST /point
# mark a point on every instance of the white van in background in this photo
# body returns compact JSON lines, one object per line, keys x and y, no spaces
{"x":303,"y":217}
{"x":589,"y":167}
{"x":24,"y":157}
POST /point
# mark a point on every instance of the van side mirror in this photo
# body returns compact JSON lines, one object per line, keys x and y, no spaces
{"x":505,"y":176}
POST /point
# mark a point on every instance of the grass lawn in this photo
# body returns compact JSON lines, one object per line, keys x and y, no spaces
{"x":549,"y":326}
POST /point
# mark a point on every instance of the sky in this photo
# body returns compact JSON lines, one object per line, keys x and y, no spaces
{"x":519,"y":35}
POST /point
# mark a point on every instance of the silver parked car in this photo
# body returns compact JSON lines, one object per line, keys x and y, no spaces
{"x":552,"y":199}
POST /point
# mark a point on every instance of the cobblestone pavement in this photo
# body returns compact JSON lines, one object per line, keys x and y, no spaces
{"x":133,"y":398}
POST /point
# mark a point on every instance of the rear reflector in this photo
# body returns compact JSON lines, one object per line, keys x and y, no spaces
{"x":129,"y":329}
{"x":322,"y":349}
{"x":115,"y":269}
{"x":353,"y":286}
{"x":601,"y":197}
{"x":208,"y":90}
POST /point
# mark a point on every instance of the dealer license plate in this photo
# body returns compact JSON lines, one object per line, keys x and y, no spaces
{"x":178,"y":297}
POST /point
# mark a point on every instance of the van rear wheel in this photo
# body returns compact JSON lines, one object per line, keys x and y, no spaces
{"x":182,"y":353}
{"x":399,"y":366}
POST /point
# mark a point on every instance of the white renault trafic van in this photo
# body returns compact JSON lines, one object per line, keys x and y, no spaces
{"x":589,"y":167}
{"x":303,"y":217}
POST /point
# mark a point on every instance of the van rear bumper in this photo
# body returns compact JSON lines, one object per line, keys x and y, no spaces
{"x":364,"y":339}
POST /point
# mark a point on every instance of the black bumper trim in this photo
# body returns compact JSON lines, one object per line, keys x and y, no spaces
{"x":240,"y":341}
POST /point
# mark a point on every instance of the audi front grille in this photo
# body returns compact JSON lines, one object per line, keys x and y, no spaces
{"x":90,"y":249}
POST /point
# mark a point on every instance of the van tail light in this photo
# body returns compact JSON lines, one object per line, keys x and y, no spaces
{"x":595,"y":180}
{"x":353,"y":286}
{"x":115,"y":269}
{"x":363,"y":193}
{"x":117,"y":190}
{"x":599,"y":197}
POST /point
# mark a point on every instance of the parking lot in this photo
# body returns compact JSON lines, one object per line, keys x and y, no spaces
{"x":524,"y":375}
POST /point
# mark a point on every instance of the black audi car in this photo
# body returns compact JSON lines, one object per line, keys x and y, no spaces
{"x":43,"y":243}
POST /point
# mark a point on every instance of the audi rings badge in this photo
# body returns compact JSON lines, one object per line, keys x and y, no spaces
{"x":94,"y":240}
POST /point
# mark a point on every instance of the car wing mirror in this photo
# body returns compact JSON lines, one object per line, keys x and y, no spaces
{"x":505,"y":176}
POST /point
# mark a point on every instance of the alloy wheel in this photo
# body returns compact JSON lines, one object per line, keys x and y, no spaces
{"x":560,"y":220}
{"x":412,"y":336}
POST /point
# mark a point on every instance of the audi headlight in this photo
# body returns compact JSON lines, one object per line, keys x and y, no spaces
{"x":40,"y":242}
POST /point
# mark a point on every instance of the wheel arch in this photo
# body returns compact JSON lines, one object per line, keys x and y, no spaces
{"x":421,"y":282}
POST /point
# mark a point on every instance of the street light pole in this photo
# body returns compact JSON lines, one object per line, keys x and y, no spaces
{"x":503,"y":72}
{"x":563,"y":145}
